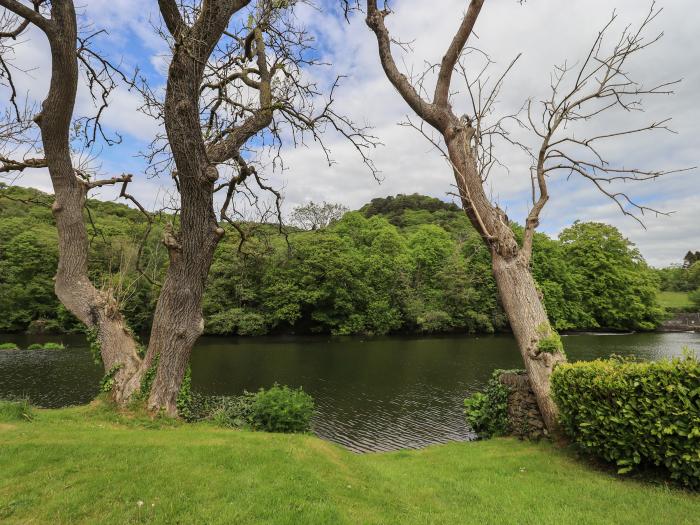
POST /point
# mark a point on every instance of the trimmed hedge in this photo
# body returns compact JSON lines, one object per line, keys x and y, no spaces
{"x":634,"y":414}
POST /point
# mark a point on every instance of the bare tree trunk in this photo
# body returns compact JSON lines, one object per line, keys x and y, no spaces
{"x":527,"y":316}
{"x":520,"y":298}
{"x":96,"y":308}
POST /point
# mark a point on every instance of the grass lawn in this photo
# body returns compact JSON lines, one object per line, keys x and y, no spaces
{"x":674,"y":299}
{"x":90,"y":465}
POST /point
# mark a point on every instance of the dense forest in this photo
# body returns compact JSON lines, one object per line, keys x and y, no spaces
{"x":408,"y":263}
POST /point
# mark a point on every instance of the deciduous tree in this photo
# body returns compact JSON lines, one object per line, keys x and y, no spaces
{"x":235,"y":75}
{"x":597,"y":84}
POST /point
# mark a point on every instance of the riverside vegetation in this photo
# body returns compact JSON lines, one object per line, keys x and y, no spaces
{"x":408,"y":263}
{"x":634,"y":415}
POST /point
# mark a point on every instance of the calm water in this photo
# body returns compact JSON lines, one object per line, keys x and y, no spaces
{"x":372,"y":394}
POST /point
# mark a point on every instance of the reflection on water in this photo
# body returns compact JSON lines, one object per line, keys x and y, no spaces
{"x":372,"y":394}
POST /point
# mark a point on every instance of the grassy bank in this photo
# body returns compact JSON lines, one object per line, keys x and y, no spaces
{"x":89,"y":465}
{"x":674,"y":299}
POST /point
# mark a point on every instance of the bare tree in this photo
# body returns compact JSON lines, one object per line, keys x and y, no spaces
{"x":314,"y":216}
{"x":597,"y":85}
{"x":236,"y":76}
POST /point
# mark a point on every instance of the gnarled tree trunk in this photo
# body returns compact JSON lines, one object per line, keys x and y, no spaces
{"x":178,"y":321}
{"x":96,"y":308}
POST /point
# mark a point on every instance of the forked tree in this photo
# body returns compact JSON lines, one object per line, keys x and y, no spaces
{"x":598,"y":84}
{"x":235,"y":79}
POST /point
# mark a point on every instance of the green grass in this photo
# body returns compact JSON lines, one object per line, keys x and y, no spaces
{"x":15,"y":410}
{"x":674,"y":299}
{"x":89,"y":465}
{"x":8,"y":346}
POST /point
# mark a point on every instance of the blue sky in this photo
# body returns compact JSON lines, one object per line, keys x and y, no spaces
{"x":545,"y":31}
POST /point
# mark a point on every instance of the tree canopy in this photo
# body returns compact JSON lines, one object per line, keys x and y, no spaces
{"x":400,"y":264}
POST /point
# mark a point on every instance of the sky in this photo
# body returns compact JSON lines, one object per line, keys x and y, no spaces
{"x":545,"y":32}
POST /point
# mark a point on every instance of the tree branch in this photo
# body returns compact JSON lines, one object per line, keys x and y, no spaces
{"x":31,"y":15}
{"x":442,"y":88}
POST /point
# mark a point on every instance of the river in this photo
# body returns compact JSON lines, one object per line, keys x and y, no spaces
{"x":371,"y":393}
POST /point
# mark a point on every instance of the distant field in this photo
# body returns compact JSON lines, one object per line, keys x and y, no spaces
{"x":674,"y":299}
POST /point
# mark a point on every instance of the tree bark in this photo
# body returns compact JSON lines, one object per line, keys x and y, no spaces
{"x":96,"y":308}
{"x":519,"y":296}
{"x":178,"y":322}
{"x":527,"y":316}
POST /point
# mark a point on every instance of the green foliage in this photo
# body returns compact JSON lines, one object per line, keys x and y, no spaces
{"x":29,"y":256}
{"x":107,"y":382}
{"x":46,"y":346}
{"x":681,"y":277}
{"x":277,"y":409}
{"x":549,"y":341}
{"x":694,"y":298}
{"x":408,"y":263}
{"x":94,"y":344}
{"x":487,"y":412}
{"x":616,"y":287}
{"x":54,"y":346}
{"x":224,"y":411}
{"x":148,"y":377}
{"x":634,"y":414}
{"x":281,"y":409}
{"x":16,"y":410}
{"x":184,"y":395}
{"x":8,"y":346}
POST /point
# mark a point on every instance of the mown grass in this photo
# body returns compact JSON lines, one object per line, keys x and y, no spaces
{"x":674,"y":299}
{"x":91,"y":465}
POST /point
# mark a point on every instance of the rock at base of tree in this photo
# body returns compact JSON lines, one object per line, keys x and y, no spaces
{"x":524,"y":418}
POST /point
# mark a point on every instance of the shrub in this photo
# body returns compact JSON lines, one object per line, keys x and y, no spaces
{"x":634,"y":414}
{"x":695,"y":299}
{"x":8,"y":346}
{"x":281,"y":409}
{"x":487,"y":412}
{"x":54,"y":346}
{"x":46,"y":346}
{"x":15,"y":410}
{"x":278,"y":409}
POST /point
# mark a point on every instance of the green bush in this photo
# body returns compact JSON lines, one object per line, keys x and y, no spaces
{"x":487,"y":412}
{"x":278,"y":409}
{"x":15,"y":410}
{"x":634,"y":414}
{"x":281,"y":409}
{"x":46,"y":346}
{"x":8,"y":346}
{"x":694,"y":298}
